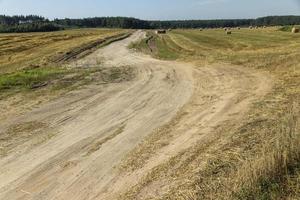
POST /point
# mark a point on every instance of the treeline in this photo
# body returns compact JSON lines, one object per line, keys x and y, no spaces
{"x":123,"y":22}
{"x":34,"y":23}
{"x":29,"y":27}
{"x":200,"y":23}
{"x":105,"y":22}
{"x":263,"y":21}
{"x":22,"y":24}
{"x":277,"y":21}
{"x":19,"y":19}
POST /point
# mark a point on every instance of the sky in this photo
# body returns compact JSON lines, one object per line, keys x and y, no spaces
{"x":152,"y":9}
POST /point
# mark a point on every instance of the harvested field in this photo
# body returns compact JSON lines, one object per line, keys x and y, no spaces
{"x":19,"y":51}
{"x":253,"y":150}
{"x":202,"y":116}
{"x":34,"y":66}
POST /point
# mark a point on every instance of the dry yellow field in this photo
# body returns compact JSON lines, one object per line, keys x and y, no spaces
{"x":261,"y":158}
{"x":34,"y":66}
{"x":18,"y":51}
{"x":206,"y":116}
{"x":32,"y":60}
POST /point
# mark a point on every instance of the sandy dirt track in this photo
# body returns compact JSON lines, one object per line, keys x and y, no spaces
{"x":95,"y":128}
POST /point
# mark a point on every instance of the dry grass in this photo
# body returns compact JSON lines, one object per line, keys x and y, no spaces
{"x":259,"y":161}
{"x":274,"y":173}
{"x":295,"y":30}
{"x":36,"y":60}
{"x":260,"y":157}
{"x":244,"y":47}
{"x":18,"y":51}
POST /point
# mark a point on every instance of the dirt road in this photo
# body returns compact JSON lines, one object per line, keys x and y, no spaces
{"x":92,"y":131}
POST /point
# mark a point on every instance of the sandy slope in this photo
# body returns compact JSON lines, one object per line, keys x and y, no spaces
{"x":95,"y":128}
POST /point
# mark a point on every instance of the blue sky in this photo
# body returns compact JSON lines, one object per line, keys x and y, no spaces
{"x":152,"y":9}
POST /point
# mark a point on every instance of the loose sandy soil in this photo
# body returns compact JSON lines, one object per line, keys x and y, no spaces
{"x":99,"y":142}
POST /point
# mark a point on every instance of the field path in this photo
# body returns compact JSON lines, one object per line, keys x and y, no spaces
{"x":95,"y":128}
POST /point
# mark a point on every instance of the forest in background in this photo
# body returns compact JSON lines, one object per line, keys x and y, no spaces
{"x":33,"y":23}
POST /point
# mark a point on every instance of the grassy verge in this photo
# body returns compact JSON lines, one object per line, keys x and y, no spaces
{"x":52,"y":79}
{"x":29,"y":79}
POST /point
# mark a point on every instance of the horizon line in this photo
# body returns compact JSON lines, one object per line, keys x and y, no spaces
{"x":50,"y":18}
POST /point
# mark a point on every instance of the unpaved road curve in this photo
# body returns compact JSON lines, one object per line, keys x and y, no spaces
{"x":96,"y":127}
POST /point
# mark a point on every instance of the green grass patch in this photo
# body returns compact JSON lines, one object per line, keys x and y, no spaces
{"x":53,"y":79}
{"x":29,"y":79}
{"x":166,"y":48}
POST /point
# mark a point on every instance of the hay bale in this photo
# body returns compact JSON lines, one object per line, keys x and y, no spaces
{"x":200,"y":29}
{"x":295,"y":30}
{"x":250,"y":27}
{"x":161,"y":32}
